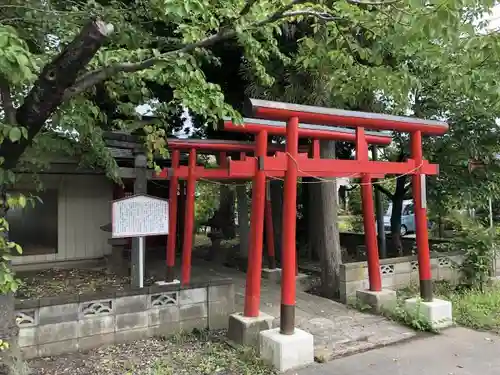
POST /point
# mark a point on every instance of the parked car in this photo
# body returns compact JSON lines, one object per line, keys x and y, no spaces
{"x":407,"y":218}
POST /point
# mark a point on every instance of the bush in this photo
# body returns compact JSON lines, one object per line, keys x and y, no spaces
{"x":479,"y":246}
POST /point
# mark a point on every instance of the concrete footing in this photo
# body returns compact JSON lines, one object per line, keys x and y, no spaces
{"x":245,"y":331}
{"x":273,"y":274}
{"x":286,"y":352}
{"x":438,"y":312}
{"x":384,"y":299}
{"x":303,"y":281}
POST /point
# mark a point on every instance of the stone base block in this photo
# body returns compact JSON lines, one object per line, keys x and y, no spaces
{"x":303,"y":281}
{"x":163,"y":283}
{"x":385,"y":299}
{"x":245,"y":331}
{"x":272,"y":274}
{"x":438,"y":312}
{"x":286,"y":352}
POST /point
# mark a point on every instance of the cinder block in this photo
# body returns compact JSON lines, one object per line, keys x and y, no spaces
{"x":385,"y":299}
{"x":402,"y":279}
{"x":402,"y":267}
{"x":438,"y":313}
{"x":129,"y":335}
{"x":353,"y":272}
{"x":286,"y":352}
{"x":131,"y":304}
{"x":165,"y":329}
{"x":273,"y":274}
{"x":29,"y":352}
{"x":27,"y":337}
{"x":57,"y":332}
{"x":218,"y":314}
{"x":96,"y":326}
{"x":194,"y":311}
{"x":58,"y":348}
{"x":388,"y":281}
{"x":131,"y":321}
{"x":58,"y":313}
{"x":191,"y":296}
{"x":245,"y":331}
{"x":220,"y":292}
{"x":97,"y":341}
{"x":164,"y":315}
{"x":191,"y":324}
{"x":348,"y":290}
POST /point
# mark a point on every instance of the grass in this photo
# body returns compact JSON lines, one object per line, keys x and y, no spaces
{"x":472,"y":307}
{"x":201,"y":354}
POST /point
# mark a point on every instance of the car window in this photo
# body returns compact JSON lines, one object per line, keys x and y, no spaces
{"x":408,"y":210}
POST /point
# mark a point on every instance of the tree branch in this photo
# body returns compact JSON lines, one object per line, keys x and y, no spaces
{"x":48,"y":91}
{"x":249,"y":4}
{"x":384,"y":190}
{"x":383,"y":2}
{"x":90,"y":79}
{"x":8,"y":105}
{"x":321,"y":15}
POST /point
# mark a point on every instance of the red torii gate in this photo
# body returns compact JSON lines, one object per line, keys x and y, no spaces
{"x":292,"y":163}
{"x":192,"y":172}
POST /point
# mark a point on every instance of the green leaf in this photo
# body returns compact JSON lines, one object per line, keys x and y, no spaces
{"x":15,"y":134}
{"x":19,"y":249}
{"x":22,"y":201}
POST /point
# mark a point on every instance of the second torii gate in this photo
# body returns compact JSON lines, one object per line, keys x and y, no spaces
{"x":192,"y":172}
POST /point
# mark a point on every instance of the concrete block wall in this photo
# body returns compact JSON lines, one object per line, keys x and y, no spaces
{"x":57,"y":325}
{"x":397,"y":273}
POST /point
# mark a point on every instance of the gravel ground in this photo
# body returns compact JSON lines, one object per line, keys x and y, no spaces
{"x":202,"y":353}
{"x":56,"y":281}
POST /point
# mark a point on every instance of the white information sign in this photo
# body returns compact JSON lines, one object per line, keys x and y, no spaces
{"x":139,"y":216}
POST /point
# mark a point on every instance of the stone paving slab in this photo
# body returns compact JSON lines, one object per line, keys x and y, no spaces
{"x":338,"y":331}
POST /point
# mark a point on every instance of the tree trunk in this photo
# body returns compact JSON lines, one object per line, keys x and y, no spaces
{"x":397,"y":208}
{"x":51,"y":88}
{"x":306,"y":215}
{"x":8,"y":333}
{"x":324,"y":229}
{"x":8,"y":327}
{"x":277,"y":211}
{"x":222,"y":223}
{"x":243,"y":222}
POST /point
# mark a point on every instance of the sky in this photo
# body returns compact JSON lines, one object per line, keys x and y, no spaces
{"x":494,"y":18}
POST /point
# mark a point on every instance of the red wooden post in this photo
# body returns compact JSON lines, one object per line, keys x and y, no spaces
{"x":420,"y":200}
{"x":187,"y":247}
{"x":252,"y":293}
{"x":271,"y":257}
{"x":368,"y":215}
{"x":172,"y":220}
{"x":316,"y":153}
{"x":287,"y":316}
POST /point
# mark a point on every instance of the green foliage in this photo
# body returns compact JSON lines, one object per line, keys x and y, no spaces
{"x":479,"y":245}
{"x":209,"y":356}
{"x":398,"y":313}
{"x":207,"y":202}
{"x":473,"y":308}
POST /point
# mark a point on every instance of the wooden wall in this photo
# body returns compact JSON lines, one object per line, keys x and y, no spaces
{"x":84,"y":204}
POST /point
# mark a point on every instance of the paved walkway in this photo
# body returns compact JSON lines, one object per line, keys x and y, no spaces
{"x":337,"y":330}
{"x":456,"y":351}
